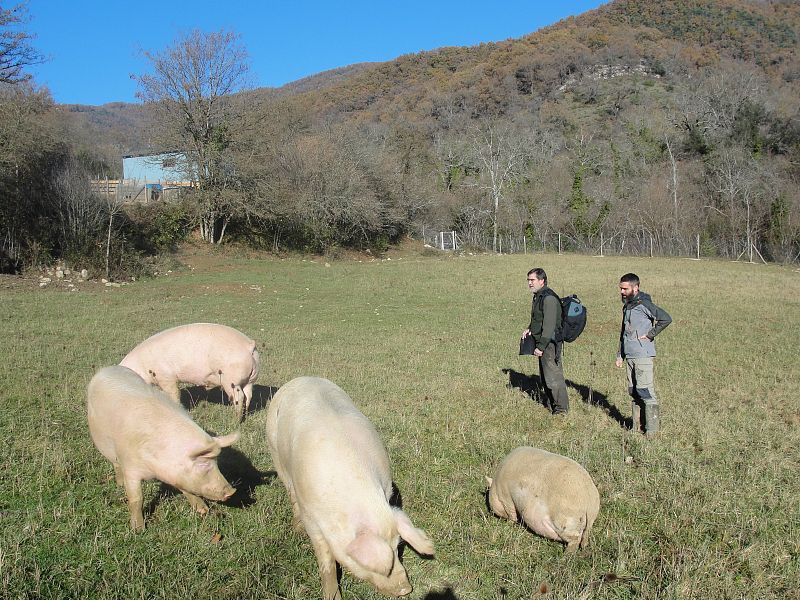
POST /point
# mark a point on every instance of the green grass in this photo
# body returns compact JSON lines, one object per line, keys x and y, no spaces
{"x":711,"y":509}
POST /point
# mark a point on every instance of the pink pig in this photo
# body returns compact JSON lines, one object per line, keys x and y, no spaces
{"x":147,"y":436}
{"x":202,"y":354}
{"x":550,"y":493}
{"x":336,"y":471}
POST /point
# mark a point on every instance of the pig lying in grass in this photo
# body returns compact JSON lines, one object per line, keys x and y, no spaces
{"x":147,"y":436}
{"x":552,"y":494}
{"x":336,"y":472}
{"x":202,"y":354}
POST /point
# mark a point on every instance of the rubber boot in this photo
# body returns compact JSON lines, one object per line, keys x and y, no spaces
{"x":636,"y":416}
{"x":651,"y":421}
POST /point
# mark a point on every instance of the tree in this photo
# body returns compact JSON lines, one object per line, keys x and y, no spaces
{"x":501,"y":154}
{"x":738,"y":183}
{"x":16,"y":53}
{"x":190,"y":92}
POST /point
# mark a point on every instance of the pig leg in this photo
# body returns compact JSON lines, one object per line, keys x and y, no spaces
{"x":327,"y":567}
{"x":537,"y":517}
{"x":586,"y":533}
{"x":196,"y":502}
{"x":297,"y":515}
{"x":133,"y":490}
{"x":248,"y":395}
{"x":572,"y":545}
{"x":118,"y":476}
{"x":297,"y":523}
{"x":171,"y":388}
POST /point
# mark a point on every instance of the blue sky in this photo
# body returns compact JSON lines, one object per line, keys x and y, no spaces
{"x":94,"y":46}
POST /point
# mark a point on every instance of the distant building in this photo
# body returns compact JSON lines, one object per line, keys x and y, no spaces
{"x":167,"y":167}
{"x":147,"y":177}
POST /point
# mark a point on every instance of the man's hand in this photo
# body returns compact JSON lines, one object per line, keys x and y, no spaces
{"x":537,"y":352}
{"x":526,"y":333}
{"x":619,"y":362}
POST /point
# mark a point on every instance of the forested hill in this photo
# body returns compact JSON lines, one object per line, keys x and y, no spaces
{"x":501,"y":77}
{"x":670,"y":126}
{"x":504,"y":77}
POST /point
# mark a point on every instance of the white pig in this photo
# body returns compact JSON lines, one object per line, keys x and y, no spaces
{"x":147,"y":436}
{"x":336,"y":472}
{"x":552,"y":494}
{"x":202,"y":354}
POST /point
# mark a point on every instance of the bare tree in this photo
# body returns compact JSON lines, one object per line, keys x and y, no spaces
{"x":736,"y":182}
{"x":500,"y":152}
{"x":189,"y":91}
{"x":16,"y":53}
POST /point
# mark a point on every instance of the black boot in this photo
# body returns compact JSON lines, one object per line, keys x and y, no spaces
{"x":636,"y":417}
{"x":651,"y":421}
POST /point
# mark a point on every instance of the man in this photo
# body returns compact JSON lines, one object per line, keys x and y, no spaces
{"x":642,"y":321}
{"x":544,"y":326}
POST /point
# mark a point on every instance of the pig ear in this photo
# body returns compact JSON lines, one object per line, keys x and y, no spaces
{"x":372,"y":553}
{"x":227,"y":440}
{"x":414,"y":536}
{"x":488,"y":481}
{"x":204,"y":452}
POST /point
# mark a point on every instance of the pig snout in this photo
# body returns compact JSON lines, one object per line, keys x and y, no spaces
{"x":220,"y":494}
{"x":228,"y":493}
{"x":396,"y":584}
{"x":212,"y":486}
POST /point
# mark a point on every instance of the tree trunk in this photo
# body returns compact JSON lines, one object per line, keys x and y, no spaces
{"x":108,"y":243}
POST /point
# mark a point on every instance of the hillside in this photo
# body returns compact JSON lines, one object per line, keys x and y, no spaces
{"x":667,"y":126}
{"x":504,"y":77}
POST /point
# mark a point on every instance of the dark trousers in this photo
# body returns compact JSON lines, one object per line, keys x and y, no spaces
{"x":552,"y":374}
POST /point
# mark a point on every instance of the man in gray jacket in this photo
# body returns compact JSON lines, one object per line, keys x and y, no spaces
{"x":642,"y":321}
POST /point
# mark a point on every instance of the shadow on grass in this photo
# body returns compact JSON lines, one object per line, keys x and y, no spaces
{"x":532,"y":386}
{"x":237,"y":470}
{"x":194,"y":395}
{"x":529,"y":384}
{"x":262,"y":394}
{"x":243,"y":475}
{"x":445,"y":594}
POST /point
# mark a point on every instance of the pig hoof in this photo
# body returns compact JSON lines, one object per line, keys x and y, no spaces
{"x":297,"y":525}
{"x":137,"y":525}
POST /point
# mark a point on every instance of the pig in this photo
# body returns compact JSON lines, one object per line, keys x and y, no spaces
{"x":202,"y":354}
{"x":336,"y":472}
{"x":147,"y":436}
{"x":552,"y":494}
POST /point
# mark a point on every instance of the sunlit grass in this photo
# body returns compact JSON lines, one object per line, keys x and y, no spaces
{"x":708,"y":510}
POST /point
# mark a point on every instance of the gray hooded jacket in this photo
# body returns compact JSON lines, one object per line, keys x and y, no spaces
{"x":640,"y":317}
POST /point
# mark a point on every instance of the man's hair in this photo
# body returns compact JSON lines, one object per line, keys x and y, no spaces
{"x":540,"y":274}
{"x":631,"y":278}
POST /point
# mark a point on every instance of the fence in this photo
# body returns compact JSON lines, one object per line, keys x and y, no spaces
{"x":135,"y":190}
{"x":639,"y":244}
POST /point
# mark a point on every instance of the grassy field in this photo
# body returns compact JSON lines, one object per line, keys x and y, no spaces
{"x":425,"y":346}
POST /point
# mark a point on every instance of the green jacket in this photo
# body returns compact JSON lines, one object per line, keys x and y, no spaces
{"x":545,"y":317}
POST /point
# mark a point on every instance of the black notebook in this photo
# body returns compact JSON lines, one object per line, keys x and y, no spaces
{"x":526,"y":345}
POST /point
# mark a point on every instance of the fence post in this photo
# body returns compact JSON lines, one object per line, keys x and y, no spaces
{"x":559,"y":242}
{"x":524,"y":244}
{"x":698,"y":246}
{"x":651,"y":246}
{"x":601,"y":243}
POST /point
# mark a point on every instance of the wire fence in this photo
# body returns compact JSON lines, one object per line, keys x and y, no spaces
{"x":640,"y":244}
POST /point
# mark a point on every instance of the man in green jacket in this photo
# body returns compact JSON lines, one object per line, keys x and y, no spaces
{"x":544,"y":326}
{"x":642,"y":321}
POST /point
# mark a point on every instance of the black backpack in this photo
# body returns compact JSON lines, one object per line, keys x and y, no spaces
{"x":573,"y":319}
